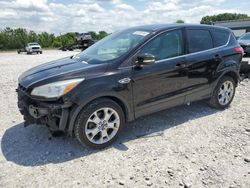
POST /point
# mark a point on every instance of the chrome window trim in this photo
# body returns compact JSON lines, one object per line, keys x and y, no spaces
{"x":211,"y":49}
{"x":184,"y":55}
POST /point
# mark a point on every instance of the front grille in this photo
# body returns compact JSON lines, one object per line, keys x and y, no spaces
{"x":23,"y":98}
{"x":22,"y":88}
{"x":35,"y":48}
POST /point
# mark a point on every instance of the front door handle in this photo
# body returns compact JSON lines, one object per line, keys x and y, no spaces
{"x":181,"y":65}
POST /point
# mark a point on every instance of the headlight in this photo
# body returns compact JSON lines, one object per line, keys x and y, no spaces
{"x":56,"y":89}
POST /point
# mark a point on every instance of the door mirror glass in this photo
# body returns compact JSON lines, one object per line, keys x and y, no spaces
{"x":145,"y":59}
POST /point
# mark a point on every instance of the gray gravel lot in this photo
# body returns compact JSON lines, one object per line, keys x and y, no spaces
{"x":186,"y":146}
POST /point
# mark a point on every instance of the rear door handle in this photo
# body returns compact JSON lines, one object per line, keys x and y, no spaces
{"x":181,"y":65}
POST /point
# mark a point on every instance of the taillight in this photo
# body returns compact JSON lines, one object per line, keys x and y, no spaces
{"x":239,"y":50}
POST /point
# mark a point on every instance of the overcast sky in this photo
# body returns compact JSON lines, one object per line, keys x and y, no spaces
{"x":61,"y":16}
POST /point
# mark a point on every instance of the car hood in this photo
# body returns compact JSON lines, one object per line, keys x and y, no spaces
{"x":244,"y":42}
{"x":66,"y":68}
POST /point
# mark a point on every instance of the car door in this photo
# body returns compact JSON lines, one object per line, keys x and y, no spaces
{"x":161,"y":85}
{"x":202,"y":60}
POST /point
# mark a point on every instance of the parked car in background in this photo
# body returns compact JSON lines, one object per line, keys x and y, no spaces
{"x":244,"y":41}
{"x":32,"y":47}
{"x":129,"y":74}
{"x":245,"y":69}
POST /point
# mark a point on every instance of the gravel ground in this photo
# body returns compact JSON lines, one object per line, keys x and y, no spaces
{"x":186,"y":146}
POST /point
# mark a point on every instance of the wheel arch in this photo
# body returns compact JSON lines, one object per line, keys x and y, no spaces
{"x":128,"y":113}
{"x":234,"y":75}
{"x":229,"y":68}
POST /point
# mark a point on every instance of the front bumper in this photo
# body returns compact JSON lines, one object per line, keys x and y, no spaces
{"x":54,"y":114}
{"x":34,"y":50}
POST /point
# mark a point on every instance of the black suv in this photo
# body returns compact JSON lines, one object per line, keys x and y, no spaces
{"x":129,"y":74}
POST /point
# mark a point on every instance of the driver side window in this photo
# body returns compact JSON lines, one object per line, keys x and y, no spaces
{"x":166,"y":45}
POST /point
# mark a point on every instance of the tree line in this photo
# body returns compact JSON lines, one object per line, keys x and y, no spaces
{"x":18,"y":38}
{"x":223,"y":17}
{"x":220,"y":17}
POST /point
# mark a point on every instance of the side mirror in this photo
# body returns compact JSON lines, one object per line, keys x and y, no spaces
{"x":145,"y":59}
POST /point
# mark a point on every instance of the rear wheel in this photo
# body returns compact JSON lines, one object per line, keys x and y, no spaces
{"x":224,"y":93}
{"x":99,"y":123}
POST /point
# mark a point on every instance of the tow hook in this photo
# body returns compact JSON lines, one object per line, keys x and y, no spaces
{"x":37,"y":112}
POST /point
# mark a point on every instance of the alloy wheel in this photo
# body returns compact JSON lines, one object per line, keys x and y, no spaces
{"x":226,"y":93}
{"x":102,"y":125}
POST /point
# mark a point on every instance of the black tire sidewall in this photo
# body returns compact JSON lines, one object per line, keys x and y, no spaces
{"x":83,"y":116}
{"x":215,"y":98}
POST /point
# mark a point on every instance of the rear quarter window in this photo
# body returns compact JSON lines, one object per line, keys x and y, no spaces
{"x":233,"y":40}
{"x":220,"y":38}
{"x":199,"y":40}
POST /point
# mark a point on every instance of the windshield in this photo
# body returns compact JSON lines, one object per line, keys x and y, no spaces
{"x":245,"y":37}
{"x":33,"y":44}
{"x":112,"y":46}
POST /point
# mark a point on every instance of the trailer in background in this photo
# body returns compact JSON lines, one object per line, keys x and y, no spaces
{"x":239,"y":27}
{"x":82,"y":42}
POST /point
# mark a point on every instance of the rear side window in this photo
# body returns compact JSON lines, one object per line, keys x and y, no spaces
{"x":220,"y":38}
{"x":199,"y":40}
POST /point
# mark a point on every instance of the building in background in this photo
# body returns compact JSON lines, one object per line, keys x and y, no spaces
{"x":239,"y":27}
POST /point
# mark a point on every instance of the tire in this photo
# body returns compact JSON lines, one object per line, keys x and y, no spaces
{"x":102,"y":116}
{"x":223,"y":93}
{"x":41,"y":52}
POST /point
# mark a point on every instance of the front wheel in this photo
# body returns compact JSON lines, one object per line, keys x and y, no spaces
{"x":99,"y":123}
{"x":224,"y":93}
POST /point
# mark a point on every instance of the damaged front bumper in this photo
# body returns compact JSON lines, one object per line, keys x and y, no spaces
{"x":54,"y":114}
